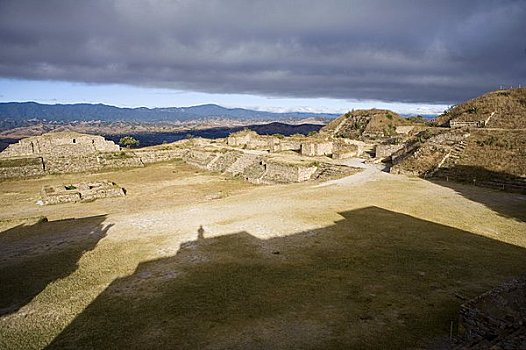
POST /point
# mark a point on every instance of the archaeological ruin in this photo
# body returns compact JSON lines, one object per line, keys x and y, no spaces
{"x":495,"y":319}
{"x":84,"y":191}
{"x":245,"y":154}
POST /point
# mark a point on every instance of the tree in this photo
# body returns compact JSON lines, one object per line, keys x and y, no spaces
{"x":129,"y":141}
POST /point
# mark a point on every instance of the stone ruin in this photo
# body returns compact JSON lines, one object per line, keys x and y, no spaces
{"x":84,"y":191}
{"x":306,"y":146}
{"x":58,"y":153}
{"x":495,"y":319}
{"x":59,"y":144}
{"x":70,"y":152}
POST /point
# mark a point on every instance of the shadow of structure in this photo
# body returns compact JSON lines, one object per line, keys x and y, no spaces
{"x":33,"y":256}
{"x":376,"y":279}
{"x":467,"y":180}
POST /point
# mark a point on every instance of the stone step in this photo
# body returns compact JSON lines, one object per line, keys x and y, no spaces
{"x":242,"y":163}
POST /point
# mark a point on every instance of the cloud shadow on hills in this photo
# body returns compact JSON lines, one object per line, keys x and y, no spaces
{"x":483,"y":186}
{"x":33,"y":256}
{"x":375,"y":279}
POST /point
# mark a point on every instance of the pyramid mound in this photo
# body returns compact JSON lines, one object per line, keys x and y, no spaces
{"x":502,"y":109}
{"x":365,"y":123}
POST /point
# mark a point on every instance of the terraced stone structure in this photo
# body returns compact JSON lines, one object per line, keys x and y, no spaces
{"x":73,"y":153}
{"x":70,"y":152}
{"x":59,"y":145}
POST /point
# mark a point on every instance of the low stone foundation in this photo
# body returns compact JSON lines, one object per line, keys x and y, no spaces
{"x":85,"y":191}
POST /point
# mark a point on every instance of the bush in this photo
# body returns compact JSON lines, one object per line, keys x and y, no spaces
{"x":129,"y":141}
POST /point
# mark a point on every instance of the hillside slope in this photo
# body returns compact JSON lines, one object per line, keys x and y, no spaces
{"x":504,"y":109}
{"x":365,"y":123}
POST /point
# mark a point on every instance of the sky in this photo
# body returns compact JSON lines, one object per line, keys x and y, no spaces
{"x":279,"y":55}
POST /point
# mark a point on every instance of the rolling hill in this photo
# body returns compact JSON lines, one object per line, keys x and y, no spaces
{"x":503,"y":109}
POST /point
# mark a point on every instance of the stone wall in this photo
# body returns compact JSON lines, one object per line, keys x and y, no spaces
{"x":343,"y":150}
{"x":284,"y":172}
{"x":21,"y":167}
{"x":496,"y":317}
{"x":58,"y":144}
{"x":200,"y":158}
{"x":58,"y":164}
{"x":148,"y":156}
{"x":282,"y":145}
{"x":384,"y":151}
{"x":119,"y":160}
{"x":461,"y":124}
{"x":313,"y":148}
{"x":241,"y":138}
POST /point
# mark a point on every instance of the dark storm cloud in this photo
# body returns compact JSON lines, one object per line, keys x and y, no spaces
{"x":413,"y":51}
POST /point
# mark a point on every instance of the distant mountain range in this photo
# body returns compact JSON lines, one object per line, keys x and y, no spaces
{"x":19,"y":111}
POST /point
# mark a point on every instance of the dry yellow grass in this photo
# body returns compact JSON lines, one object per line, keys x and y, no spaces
{"x":366,"y":265}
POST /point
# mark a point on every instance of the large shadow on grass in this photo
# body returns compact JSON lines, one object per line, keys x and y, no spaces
{"x":376,"y":279}
{"x":32,"y":256}
{"x":480,"y":185}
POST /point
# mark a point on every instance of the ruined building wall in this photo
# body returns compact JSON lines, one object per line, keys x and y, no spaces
{"x":494,"y":317}
{"x":344,"y":151}
{"x":58,"y":144}
{"x":148,"y":156}
{"x":286,"y":145}
{"x":316,"y":148}
{"x":285,"y":173}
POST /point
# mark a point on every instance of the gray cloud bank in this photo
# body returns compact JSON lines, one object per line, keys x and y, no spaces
{"x":410,"y":51}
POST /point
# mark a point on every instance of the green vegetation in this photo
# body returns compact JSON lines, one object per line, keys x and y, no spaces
{"x":312,"y":133}
{"x":417,"y":119}
{"x":129,"y":141}
{"x":279,"y":136}
{"x":70,"y":187}
{"x":425,"y":135}
{"x":389,"y":130}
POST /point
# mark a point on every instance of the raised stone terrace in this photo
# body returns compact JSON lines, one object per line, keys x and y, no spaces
{"x":59,"y":144}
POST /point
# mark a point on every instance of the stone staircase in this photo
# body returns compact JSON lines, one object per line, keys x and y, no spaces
{"x":242,"y":163}
{"x":445,"y":168}
{"x":255,"y":173}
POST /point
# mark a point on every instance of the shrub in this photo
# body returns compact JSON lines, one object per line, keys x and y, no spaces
{"x":129,"y":141}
